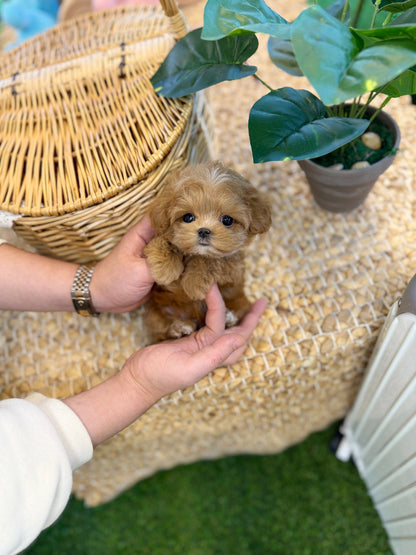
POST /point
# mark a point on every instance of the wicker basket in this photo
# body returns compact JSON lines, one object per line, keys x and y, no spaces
{"x":85,"y":143}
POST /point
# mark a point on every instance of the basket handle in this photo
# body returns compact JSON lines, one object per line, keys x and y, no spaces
{"x":171,"y":9}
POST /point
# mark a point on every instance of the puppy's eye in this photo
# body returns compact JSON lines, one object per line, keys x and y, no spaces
{"x":227,"y":220}
{"x":188,"y":218}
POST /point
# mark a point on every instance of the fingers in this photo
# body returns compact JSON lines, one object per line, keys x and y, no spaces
{"x":251,"y":319}
{"x":216,"y":346}
{"x":215,"y":317}
{"x":245,"y":329}
{"x":140,"y":234}
{"x":216,"y":354}
{"x":144,"y":229}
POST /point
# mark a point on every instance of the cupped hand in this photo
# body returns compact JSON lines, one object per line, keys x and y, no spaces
{"x":163,"y":368}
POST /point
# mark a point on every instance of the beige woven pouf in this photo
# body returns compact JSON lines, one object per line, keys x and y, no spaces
{"x":329,"y":279}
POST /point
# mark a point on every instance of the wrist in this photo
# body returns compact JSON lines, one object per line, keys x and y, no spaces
{"x":142,"y":388}
{"x":80,"y":291}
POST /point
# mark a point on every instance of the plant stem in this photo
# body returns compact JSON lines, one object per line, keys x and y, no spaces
{"x":376,"y":10}
{"x":344,"y":11}
{"x":357,"y":13}
{"x":384,"y":103}
{"x":263,"y":82}
{"x":331,"y":111}
{"x":388,"y":18}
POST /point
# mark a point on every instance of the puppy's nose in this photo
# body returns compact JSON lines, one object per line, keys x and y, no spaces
{"x":204,"y":232}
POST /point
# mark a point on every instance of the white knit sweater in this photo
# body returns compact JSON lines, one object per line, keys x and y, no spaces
{"x":41,"y":442}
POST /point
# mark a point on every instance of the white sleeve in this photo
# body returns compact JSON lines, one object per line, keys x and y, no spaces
{"x":41,"y":442}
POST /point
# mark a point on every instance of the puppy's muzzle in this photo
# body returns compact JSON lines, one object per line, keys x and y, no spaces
{"x":204,"y":235}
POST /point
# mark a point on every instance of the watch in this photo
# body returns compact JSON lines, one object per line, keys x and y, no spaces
{"x":80,"y":292}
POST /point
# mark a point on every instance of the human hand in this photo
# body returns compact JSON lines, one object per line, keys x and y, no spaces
{"x":160,"y":369}
{"x":122,"y":281}
{"x":157,"y":370}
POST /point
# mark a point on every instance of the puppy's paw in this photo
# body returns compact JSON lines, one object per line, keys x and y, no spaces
{"x":179,"y":328}
{"x":165,"y":262}
{"x":230,"y":318}
{"x":196,"y":286}
{"x":165,"y":272}
{"x":195,"y":291}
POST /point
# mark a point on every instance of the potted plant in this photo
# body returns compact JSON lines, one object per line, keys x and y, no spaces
{"x":349,"y":68}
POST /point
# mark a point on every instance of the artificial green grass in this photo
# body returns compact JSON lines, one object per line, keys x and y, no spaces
{"x":300,"y":502}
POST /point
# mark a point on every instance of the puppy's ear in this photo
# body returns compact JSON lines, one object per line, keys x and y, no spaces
{"x":261,"y":218}
{"x":161,"y":205}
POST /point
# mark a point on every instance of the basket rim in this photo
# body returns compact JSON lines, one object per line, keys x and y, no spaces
{"x":44,"y":196}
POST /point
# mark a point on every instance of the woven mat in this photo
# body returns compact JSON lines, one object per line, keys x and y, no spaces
{"x":330,"y":280}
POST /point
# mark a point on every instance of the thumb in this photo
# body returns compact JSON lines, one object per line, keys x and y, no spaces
{"x":138,"y":236}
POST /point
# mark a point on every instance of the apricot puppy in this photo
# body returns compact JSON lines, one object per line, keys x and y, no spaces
{"x":203,"y":219}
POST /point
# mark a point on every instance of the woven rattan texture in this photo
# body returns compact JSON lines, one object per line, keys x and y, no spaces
{"x":85,"y":142}
{"x":80,"y":120}
{"x":89,"y":234}
{"x":329,"y":279}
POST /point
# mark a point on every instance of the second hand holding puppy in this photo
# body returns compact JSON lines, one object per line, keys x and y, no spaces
{"x":203,"y":219}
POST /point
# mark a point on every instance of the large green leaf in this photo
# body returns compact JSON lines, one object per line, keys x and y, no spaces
{"x":402,"y":85}
{"x":194,"y":64}
{"x":375,"y":66}
{"x":394,"y":6}
{"x":282,"y":55}
{"x":348,"y":71}
{"x":234,"y":16}
{"x":281,"y":50}
{"x":289,"y":124}
{"x":324,"y":48}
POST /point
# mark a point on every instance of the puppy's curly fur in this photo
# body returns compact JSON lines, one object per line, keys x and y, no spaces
{"x":203,"y":219}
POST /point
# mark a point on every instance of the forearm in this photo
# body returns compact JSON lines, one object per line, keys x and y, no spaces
{"x":33,"y":282}
{"x":111,"y":406}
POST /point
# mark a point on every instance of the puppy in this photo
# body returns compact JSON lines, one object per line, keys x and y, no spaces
{"x":203,"y":219}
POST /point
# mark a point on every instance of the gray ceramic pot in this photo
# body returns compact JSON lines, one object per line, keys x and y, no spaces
{"x":345,"y":190}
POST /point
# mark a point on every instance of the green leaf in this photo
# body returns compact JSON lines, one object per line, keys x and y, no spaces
{"x":324,"y":48}
{"x":194,"y":64}
{"x":225,"y":18}
{"x":349,"y":71}
{"x":407,"y":18}
{"x":281,"y":50}
{"x":375,"y":66}
{"x":394,"y":6}
{"x":391,"y":32}
{"x":402,"y":85}
{"x":289,"y":124}
{"x":282,"y":55}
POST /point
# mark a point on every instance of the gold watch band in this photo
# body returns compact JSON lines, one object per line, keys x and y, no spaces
{"x":80,"y":292}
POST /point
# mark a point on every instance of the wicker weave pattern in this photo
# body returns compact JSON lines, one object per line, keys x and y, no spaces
{"x":91,"y":233}
{"x":83,"y":126}
{"x":83,"y":135}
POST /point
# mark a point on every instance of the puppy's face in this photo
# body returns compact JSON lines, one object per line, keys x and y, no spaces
{"x":209,"y":220}
{"x":209,"y":210}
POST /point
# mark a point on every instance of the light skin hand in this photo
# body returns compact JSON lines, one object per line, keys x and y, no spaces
{"x":122,"y":281}
{"x":191,"y":358}
{"x":157,"y":370}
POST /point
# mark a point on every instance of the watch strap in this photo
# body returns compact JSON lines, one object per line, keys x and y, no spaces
{"x":80,"y":292}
